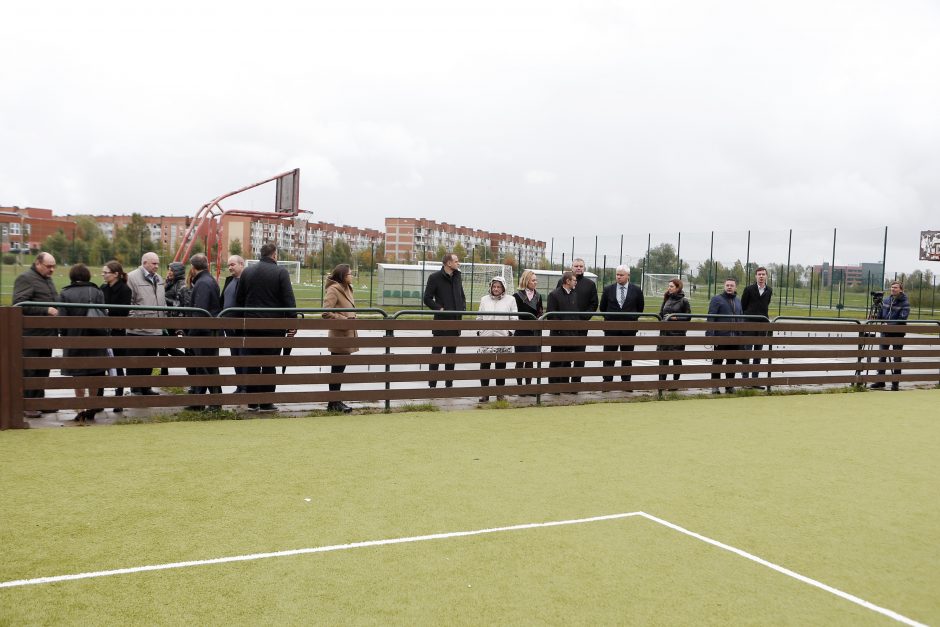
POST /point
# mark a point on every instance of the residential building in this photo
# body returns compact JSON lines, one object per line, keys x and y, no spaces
{"x":411,"y":239}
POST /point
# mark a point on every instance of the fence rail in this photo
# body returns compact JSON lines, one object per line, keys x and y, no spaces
{"x":391,"y":362}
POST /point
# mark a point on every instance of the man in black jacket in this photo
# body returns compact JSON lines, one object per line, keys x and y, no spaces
{"x":755,"y":301}
{"x":204,"y":294}
{"x":236,"y":265}
{"x":621,"y":296}
{"x":564,"y":298}
{"x":36,"y":285}
{"x":265,"y":284}
{"x":586,"y":295}
{"x":444,"y":292}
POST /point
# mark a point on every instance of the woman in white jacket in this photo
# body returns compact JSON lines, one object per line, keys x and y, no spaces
{"x":496,"y":300}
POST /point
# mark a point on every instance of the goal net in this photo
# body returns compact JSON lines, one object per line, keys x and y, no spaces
{"x":293,"y":267}
{"x":403,"y":284}
{"x":656,"y":284}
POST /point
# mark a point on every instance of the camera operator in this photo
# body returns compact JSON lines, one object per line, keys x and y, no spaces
{"x":895,"y":309}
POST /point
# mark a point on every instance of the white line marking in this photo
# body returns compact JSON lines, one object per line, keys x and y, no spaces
{"x":786,"y":571}
{"x":459,"y":534}
{"x":318,"y":549}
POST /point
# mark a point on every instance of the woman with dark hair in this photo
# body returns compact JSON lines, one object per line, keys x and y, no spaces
{"x":339,"y":295}
{"x":82,"y":290}
{"x":528,"y":301}
{"x":495,"y":301}
{"x":116,"y":292}
{"x":674,"y":302}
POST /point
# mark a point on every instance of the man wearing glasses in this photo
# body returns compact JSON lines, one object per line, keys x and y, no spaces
{"x":35,"y":285}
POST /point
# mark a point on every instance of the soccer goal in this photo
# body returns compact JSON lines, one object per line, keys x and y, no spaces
{"x":293,"y":267}
{"x":403,"y":284}
{"x":656,"y":284}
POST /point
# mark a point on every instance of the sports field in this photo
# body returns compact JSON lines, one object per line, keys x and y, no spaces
{"x":801,"y":510}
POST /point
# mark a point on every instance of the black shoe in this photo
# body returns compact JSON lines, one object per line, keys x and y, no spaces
{"x":895,"y":387}
{"x":267,"y":407}
{"x":432,"y":384}
{"x":146,"y":392}
{"x":448,"y":384}
{"x":118,"y":410}
{"x":252,"y":408}
{"x":32,"y":414}
{"x":877,"y":386}
{"x":346,"y":409}
{"x":729,"y":390}
{"x":194,"y":407}
{"x":716,"y":391}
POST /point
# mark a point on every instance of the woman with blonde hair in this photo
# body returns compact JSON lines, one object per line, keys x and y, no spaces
{"x":339,"y":295}
{"x":527,"y":301}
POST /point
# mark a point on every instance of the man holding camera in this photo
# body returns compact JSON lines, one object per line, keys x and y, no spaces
{"x":895,"y":310}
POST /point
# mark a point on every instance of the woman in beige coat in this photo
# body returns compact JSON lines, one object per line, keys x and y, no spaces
{"x":339,"y":295}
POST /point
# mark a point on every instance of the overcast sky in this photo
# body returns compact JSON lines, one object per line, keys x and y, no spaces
{"x":543,"y":118}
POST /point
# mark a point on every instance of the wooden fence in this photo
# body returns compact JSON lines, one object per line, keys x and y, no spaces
{"x":394,"y":357}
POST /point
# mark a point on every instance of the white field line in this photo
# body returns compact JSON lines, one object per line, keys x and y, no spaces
{"x":459,"y":534}
{"x":789,"y":573}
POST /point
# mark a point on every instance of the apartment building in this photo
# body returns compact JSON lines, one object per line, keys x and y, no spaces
{"x":24,"y":228}
{"x":408,"y":239}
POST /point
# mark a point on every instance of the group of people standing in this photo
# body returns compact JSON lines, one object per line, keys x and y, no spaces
{"x":574,"y":298}
{"x":264,"y":290}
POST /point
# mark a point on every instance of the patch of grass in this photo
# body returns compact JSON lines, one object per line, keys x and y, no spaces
{"x":838,"y":488}
{"x":416,"y":407}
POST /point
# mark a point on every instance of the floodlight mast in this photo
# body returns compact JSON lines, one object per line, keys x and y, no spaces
{"x":209,"y":217}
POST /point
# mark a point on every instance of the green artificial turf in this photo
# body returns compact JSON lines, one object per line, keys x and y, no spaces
{"x":839,"y":488}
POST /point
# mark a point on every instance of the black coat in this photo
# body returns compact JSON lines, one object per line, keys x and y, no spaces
{"x":560,"y":300}
{"x":633,"y":302}
{"x":205,"y":295}
{"x":675,"y":303}
{"x":524,"y":306}
{"x":585,"y":292}
{"x":265,"y":284}
{"x":32,"y":286}
{"x":87,"y":293}
{"x":753,"y":303}
{"x":444,"y":292}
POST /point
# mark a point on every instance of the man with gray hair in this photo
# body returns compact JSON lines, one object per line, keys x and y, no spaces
{"x":585,"y":293}
{"x":146,"y":290}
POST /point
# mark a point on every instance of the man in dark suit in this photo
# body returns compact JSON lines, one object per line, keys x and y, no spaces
{"x":621,"y":297}
{"x":586,"y":295}
{"x":265,"y":284}
{"x":564,"y":298}
{"x":755,"y":301}
{"x":444,"y":292}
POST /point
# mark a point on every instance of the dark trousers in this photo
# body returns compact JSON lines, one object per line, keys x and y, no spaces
{"x":439,"y":350}
{"x":561,"y":362}
{"x":755,"y":360}
{"x":203,"y":370}
{"x":43,"y":374}
{"x":665,"y":362}
{"x":729,"y":361}
{"x":897,"y":348}
{"x":497,"y":366}
{"x":337,"y":369}
{"x":578,"y":364}
{"x":619,"y":347}
{"x":252,"y":370}
{"x":140,"y":352}
{"x":521,"y":353}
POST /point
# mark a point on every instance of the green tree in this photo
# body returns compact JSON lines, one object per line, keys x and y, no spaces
{"x":131,"y":242}
{"x":339,"y":253}
{"x":460,"y":251}
{"x":58,"y":246}
{"x":235,"y":247}
{"x":663,"y":260}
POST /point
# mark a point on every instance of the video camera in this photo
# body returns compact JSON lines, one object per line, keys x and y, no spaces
{"x":877,"y":297}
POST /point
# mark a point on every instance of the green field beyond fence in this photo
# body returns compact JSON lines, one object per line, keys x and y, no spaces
{"x":839,"y":489}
